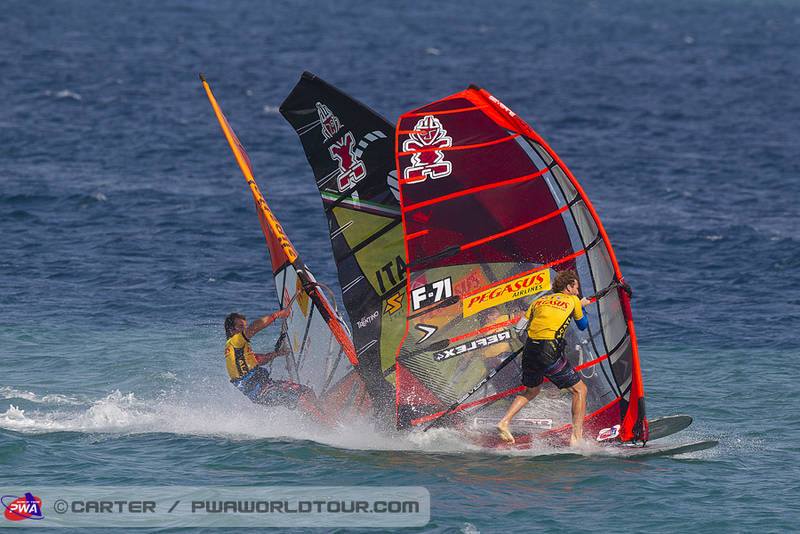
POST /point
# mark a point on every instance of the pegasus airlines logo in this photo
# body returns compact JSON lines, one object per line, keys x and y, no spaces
{"x":426,"y":161}
{"x":507,"y":291}
{"x":328,"y":121}
{"x":554,"y":302}
{"x":351,"y":168}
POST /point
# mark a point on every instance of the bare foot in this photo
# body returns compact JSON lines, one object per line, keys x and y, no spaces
{"x":574,"y":440}
{"x":502,"y":431}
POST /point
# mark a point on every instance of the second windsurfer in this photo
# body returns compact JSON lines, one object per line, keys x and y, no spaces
{"x":254,"y":381}
{"x":543,"y":355}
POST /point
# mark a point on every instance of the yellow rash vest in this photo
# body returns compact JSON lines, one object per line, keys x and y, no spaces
{"x":239,"y":356}
{"x":550,"y":315}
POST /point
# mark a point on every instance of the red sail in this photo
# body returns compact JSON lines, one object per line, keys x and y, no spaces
{"x":490,"y":214}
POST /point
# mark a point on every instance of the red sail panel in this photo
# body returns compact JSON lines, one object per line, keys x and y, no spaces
{"x":474,"y":142}
{"x":490,"y":213}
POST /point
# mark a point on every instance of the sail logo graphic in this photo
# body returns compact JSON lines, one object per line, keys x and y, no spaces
{"x":502,"y":106}
{"x":469,"y":346}
{"x":351,"y":168}
{"x":556,"y":301}
{"x":329,"y":122}
{"x":394,"y":303}
{"x":432,"y":293}
{"x":472,"y":281}
{"x":426,"y":161}
{"x":367,"y":319}
{"x":28,"y":506}
{"x":392,"y":272}
{"x":427,"y":329}
{"x":503,"y":292}
{"x":277,"y":229}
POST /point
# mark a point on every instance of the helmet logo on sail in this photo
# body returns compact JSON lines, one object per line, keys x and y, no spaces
{"x":344,"y":151}
{"x":426,"y":161}
{"x":351,"y":168}
{"x":328,"y":121}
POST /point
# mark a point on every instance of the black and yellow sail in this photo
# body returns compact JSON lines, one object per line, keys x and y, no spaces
{"x":351,"y":150}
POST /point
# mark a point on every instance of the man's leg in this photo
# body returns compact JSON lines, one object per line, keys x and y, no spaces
{"x":309,"y":404}
{"x":519,"y":401}
{"x":290,"y":395}
{"x":252,"y":385}
{"x":578,"y":411}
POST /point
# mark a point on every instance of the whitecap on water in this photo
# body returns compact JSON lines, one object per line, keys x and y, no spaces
{"x":7,"y":392}
{"x":64,"y":94}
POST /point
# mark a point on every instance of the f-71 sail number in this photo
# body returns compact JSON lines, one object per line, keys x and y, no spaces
{"x":431,"y":293}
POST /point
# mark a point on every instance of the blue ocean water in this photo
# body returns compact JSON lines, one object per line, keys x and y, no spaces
{"x":128,"y":233}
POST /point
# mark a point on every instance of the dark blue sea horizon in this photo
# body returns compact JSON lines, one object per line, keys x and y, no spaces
{"x":128,"y":233}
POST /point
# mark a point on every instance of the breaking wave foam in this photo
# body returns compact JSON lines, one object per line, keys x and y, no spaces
{"x":210,"y":410}
{"x":10,"y":393}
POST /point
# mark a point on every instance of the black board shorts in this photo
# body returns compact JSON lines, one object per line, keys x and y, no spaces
{"x":541,"y":358}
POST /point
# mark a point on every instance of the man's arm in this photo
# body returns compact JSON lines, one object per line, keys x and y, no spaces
{"x":583,"y":322}
{"x":521,"y":328}
{"x":267,"y":357}
{"x":260,"y":324}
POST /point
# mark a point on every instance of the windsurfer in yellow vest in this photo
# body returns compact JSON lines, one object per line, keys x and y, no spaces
{"x":543,"y":355}
{"x":254,"y":381}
